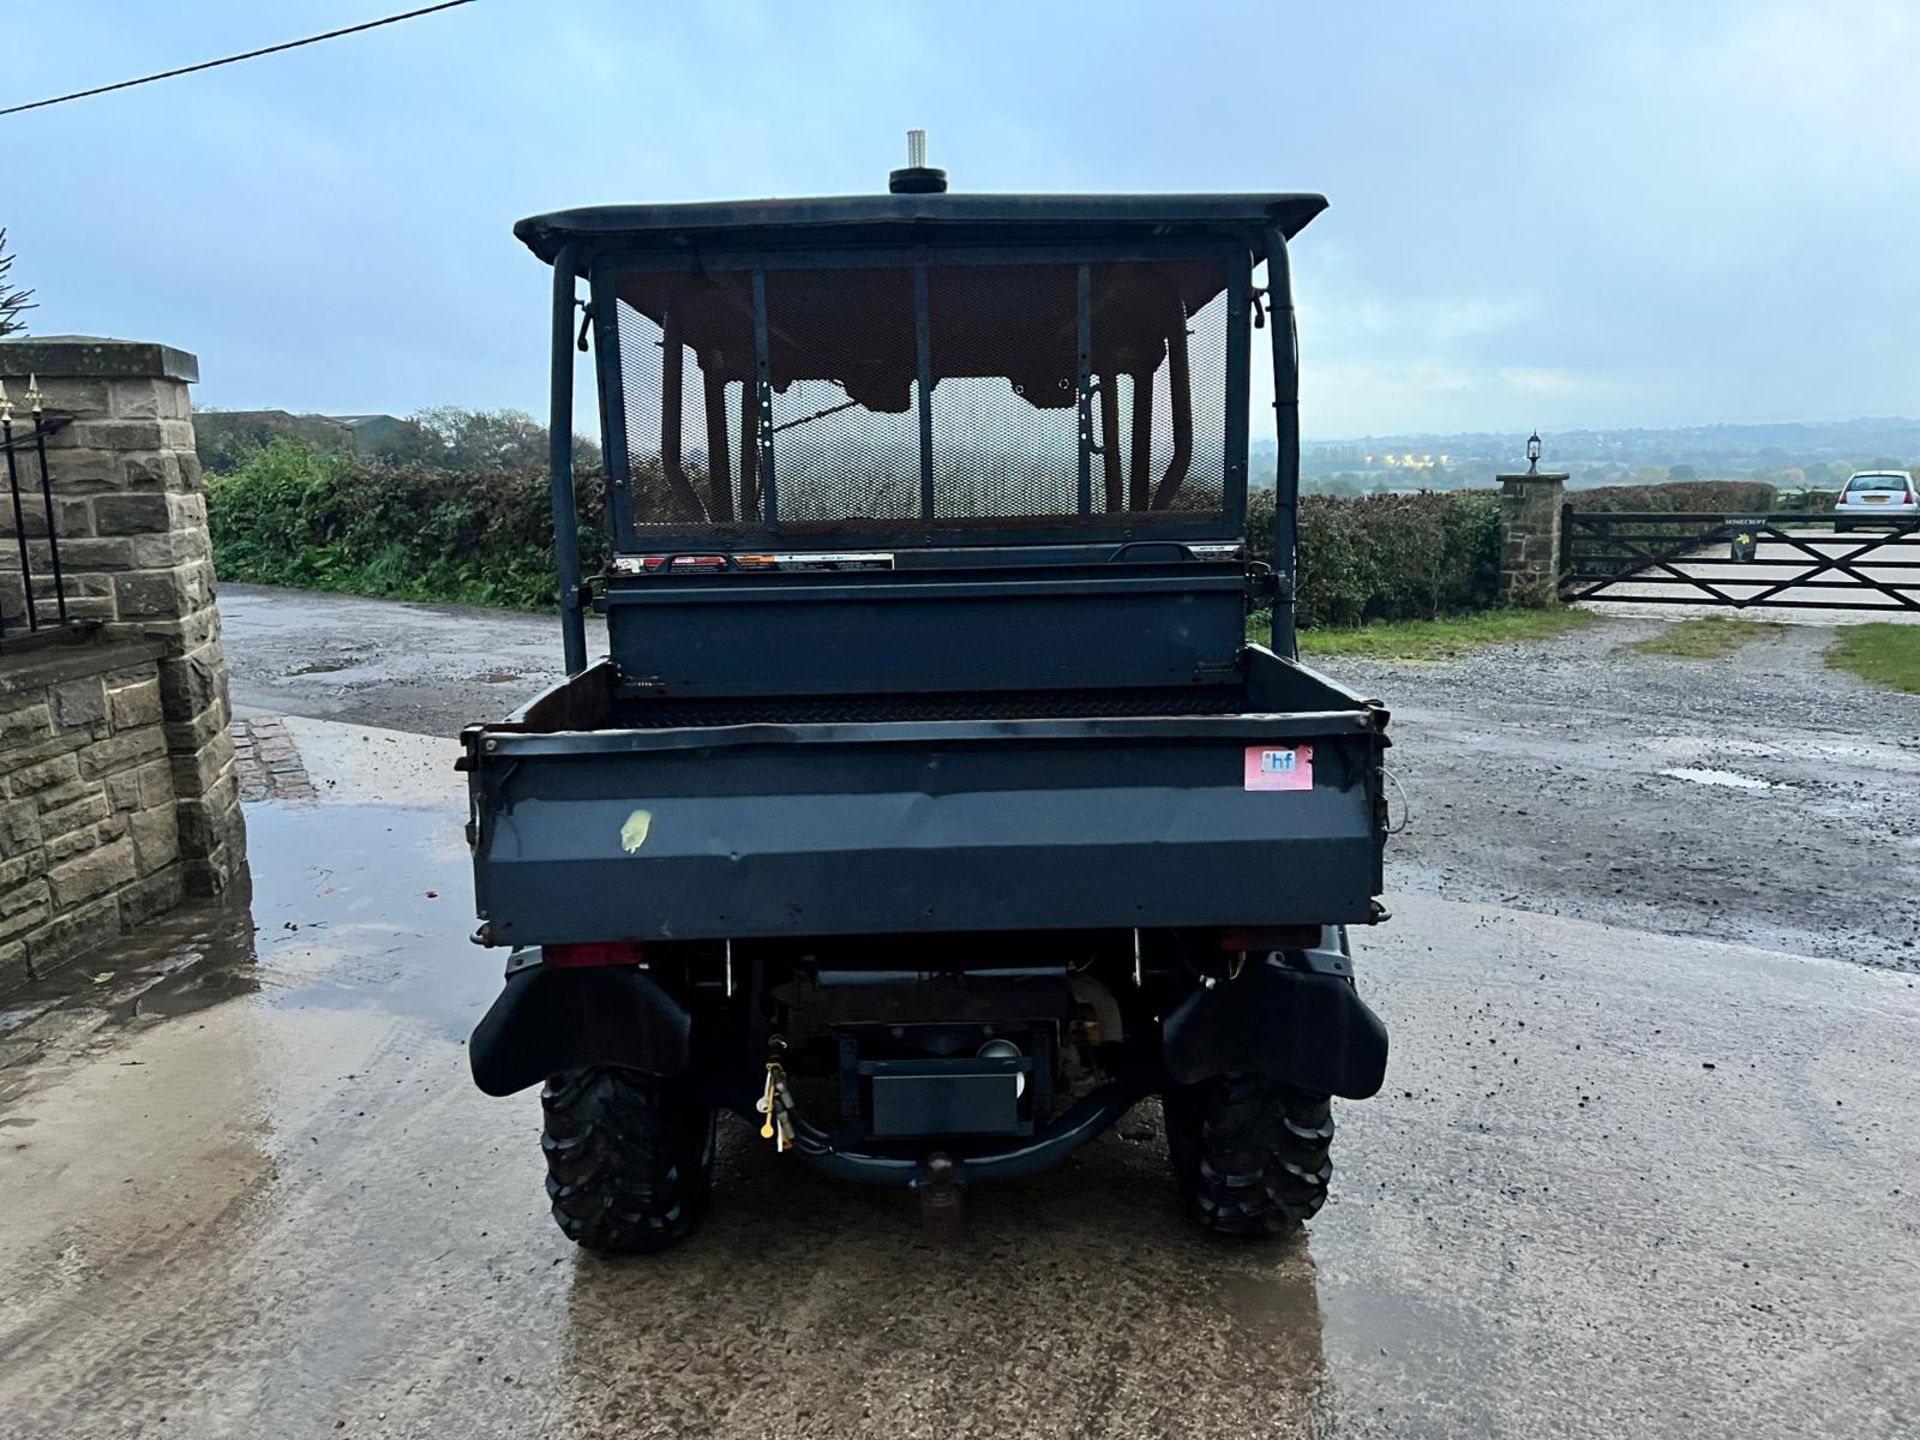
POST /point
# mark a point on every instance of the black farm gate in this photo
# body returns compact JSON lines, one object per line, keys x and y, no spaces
{"x":1785,"y":560}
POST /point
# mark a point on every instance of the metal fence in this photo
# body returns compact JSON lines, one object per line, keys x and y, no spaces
{"x":36,"y":602}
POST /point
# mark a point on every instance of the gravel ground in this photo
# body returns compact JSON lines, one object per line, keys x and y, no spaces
{"x":1763,"y":798}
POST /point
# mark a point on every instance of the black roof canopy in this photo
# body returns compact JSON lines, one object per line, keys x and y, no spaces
{"x":862,"y":220}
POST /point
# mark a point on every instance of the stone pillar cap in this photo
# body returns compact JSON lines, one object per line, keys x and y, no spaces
{"x":95,"y":357}
{"x":1537,"y":475}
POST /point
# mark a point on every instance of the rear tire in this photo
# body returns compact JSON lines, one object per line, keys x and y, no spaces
{"x":1251,"y":1154}
{"x":629,"y":1163}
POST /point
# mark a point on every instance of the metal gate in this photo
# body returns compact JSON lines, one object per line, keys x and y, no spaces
{"x":1790,"y":561}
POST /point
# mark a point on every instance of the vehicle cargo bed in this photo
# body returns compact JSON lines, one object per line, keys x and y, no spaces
{"x":598,"y":818}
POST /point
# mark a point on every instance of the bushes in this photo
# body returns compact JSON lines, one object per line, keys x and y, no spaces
{"x":1389,"y":557}
{"x":288,"y":515}
{"x":454,"y":507}
{"x":1810,"y":501}
{"x":291,"y":516}
{"x":1724,"y":497}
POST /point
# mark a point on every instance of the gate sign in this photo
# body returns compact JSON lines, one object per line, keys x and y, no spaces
{"x":1746,"y":540}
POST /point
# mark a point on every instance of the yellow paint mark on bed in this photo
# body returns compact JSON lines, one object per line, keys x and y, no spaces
{"x":633,"y":834}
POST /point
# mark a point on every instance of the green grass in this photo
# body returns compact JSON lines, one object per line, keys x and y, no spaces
{"x":1710,"y":637}
{"x":1434,"y":639}
{"x":1880,"y":653}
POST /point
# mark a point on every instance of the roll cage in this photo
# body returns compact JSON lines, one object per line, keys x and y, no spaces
{"x":931,"y":374}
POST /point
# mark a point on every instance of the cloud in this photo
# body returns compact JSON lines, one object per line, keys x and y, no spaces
{"x":1347,"y":398}
{"x":1638,"y":213}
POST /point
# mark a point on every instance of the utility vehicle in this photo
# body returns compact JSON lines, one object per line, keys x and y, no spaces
{"x":931,"y":808}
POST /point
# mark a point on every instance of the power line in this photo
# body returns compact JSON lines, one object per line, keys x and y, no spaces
{"x":235,"y":59}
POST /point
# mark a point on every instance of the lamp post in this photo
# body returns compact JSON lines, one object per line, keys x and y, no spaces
{"x":1531,"y":531}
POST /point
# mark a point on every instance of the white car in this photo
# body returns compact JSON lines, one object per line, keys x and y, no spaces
{"x":1876,"y":497}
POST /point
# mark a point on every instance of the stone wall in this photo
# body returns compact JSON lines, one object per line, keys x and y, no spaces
{"x":1530,"y":538}
{"x":89,"y":823}
{"x":132,"y":525}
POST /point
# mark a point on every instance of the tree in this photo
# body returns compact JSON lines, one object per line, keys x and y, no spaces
{"x":12,"y":299}
{"x":485,"y":439}
{"x":449,"y":438}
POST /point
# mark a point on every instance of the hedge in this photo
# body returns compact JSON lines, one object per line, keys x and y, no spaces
{"x":288,"y":515}
{"x":292,"y":516}
{"x":1722,"y":497}
{"x":1389,"y":557}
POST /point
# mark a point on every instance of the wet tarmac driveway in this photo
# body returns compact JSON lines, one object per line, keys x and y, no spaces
{"x":1620,"y":1185}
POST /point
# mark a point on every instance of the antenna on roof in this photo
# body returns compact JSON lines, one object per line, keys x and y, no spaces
{"x":918,"y":178}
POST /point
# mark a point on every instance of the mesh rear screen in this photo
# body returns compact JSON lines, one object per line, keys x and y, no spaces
{"x":844,"y":410}
{"x":846,"y":400}
{"x":1006,"y":365}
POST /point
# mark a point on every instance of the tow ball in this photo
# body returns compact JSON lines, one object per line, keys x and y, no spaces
{"x":939,"y":1187}
{"x":937,"y":1178}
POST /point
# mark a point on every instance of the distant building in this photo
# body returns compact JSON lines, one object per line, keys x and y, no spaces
{"x":374,"y":433}
{"x":362,"y":434}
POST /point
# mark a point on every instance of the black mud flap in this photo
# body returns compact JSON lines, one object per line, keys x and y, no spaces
{"x":1296,"y":1026}
{"x":547,"y":1021}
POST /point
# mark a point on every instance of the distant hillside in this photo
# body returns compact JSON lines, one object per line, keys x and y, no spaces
{"x":1783,"y":453}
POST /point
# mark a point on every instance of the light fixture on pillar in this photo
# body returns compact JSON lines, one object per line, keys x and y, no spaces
{"x":1533,"y":453}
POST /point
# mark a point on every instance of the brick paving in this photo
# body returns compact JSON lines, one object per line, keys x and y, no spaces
{"x":267,"y":761}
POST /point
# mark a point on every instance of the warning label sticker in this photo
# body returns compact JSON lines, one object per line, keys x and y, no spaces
{"x":1279,"y":767}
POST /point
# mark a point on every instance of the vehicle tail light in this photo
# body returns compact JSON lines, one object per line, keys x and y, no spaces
{"x":1271,"y":937}
{"x":598,"y":952}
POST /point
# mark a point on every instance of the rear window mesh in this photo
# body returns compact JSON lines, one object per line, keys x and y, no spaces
{"x":1005,"y":425}
{"x":846,"y":400}
{"x":844,"y":405}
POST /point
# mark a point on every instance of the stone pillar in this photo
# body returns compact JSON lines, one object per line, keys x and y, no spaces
{"x":132,"y":523}
{"x":1530,"y":539}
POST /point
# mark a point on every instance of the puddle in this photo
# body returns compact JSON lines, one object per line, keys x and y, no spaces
{"x":1283,"y":1304}
{"x":221,"y":975}
{"x":341,"y":907}
{"x":368,"y":904}
{"x":190,"y":959}
{"x":1729,"y":779}
{"x":1699,"y":747}
{"x":1695,"y":751}
{"x":321,"y":667}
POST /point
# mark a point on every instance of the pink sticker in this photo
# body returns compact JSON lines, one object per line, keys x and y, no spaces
{"x":1279,"y":767}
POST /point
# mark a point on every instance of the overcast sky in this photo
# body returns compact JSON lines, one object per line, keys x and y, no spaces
{"x":1610,"y":214}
